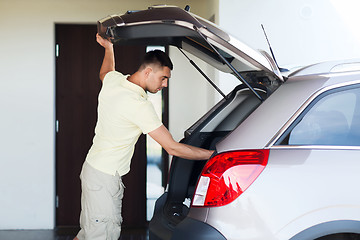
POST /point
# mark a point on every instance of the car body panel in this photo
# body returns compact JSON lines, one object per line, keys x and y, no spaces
{"x":294,"y":171}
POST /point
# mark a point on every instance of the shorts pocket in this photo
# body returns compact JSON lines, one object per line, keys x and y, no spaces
{"x":99,"y":219}
{"x":103,"y":227}
{"x":96,"y":228}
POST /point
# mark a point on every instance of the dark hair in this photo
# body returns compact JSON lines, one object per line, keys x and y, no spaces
{"x":157,"y":57}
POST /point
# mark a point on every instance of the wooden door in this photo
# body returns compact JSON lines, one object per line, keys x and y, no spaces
{"x":78,"y":60}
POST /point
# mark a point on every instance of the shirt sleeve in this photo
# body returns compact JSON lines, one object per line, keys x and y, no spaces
{"x":111,"y":76}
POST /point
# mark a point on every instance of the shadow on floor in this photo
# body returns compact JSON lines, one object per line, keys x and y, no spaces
{"x":67,"y":234}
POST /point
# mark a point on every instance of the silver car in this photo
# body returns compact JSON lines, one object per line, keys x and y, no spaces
{"x":287,"y":159}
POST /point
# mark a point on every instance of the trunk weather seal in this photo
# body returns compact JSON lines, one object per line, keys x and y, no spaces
{"x":237,"y":74}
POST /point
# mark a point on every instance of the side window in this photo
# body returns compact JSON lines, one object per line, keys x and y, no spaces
{"x":334,"y":119}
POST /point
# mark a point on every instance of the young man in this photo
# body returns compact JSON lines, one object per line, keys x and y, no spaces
{"x":124,"y":113}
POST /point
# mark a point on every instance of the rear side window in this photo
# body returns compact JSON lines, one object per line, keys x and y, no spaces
{"x":332,"y":119}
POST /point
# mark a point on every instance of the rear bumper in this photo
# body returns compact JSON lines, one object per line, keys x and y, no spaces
{"x":160,"y":228}
{"x":191,"y":229}
{"x":188,"y":229}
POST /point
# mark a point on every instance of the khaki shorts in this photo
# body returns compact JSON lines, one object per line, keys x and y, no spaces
{"x":101,"y":200}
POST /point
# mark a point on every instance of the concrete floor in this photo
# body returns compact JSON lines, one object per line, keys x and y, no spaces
{"x":66,"y":234}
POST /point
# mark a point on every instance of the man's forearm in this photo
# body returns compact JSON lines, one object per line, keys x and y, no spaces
{"x":164,"y":138}
{"x":190,"y":152}
{"x":108,"y":63}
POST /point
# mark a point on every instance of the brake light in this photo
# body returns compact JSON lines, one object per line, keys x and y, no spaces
{"x":227,"y":175}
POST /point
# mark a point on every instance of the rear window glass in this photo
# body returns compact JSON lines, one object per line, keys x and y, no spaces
{"x":332,"y":119}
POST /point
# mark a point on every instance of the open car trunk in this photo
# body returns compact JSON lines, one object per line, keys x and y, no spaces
{"x":173,"y":206}
{"x":163,"y":25}
{"x":258,"y":77}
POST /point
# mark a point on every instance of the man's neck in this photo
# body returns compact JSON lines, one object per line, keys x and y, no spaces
{"x":136,"y":79}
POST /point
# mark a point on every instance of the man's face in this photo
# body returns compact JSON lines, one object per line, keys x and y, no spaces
{"x":158,"y":79}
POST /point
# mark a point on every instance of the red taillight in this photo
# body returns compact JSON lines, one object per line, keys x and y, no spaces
{"x":227,"y":175}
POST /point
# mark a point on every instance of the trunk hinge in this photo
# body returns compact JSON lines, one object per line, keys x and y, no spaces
{"x":237,"y":74}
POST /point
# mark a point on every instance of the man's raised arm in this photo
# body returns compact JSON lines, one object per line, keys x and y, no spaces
{"x":108,"y":63}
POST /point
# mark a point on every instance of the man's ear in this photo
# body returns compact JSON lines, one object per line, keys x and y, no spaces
{"x":147,"y":71}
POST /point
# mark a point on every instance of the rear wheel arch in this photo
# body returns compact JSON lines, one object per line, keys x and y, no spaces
{"x":327,"y":231}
